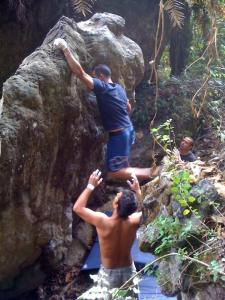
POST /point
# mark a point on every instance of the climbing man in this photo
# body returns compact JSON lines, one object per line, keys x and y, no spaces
{"x":185,"y":148}
{"x":116,"y":235}
{"x":114,"y":109}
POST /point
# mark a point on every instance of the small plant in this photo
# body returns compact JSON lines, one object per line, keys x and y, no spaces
{"x":169,"y":232}
{"x":180,"y":190}
{"x":215,"y":268}
{"x":163,"y":135}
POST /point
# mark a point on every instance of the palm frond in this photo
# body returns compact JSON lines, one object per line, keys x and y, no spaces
{"x":175,"y":10}
{"x":83,"y":7}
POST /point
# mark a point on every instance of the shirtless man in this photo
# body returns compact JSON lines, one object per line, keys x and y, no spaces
{"x":116,"y":234}
{"x":114,"y":109}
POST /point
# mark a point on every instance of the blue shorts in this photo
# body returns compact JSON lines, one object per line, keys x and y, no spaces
{"x":118,"y":149}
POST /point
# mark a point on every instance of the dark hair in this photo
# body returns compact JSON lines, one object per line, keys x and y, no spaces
{"x":127,"y":204}
{"x":102,"y":69}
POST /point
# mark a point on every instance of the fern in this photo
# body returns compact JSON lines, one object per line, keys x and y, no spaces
{"x":82,"y":6}
{"x":175,"y":10}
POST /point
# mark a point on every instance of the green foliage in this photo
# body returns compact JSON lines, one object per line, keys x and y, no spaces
{"x":198,"y":45}
{"x":215,"y":268}
{"x":180,"y":190}
{"x":215,"y":114}
{"x":208,"y":27}
{"x":119,"y":294}
{"x":170,"y":231}
{"x":163,"y":135}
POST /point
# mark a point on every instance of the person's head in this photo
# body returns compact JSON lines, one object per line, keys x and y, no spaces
{"x":186,"y":144}
{"x":125,"y":203}
{"x":102,"y":72}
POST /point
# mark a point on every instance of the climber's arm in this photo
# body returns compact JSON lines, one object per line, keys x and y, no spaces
{"x":80,"y":206}
{"x":77,"y":69}
{"x":135,"y":186}
{"x":74,"y":64}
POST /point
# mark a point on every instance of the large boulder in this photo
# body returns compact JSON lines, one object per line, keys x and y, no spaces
{"x":51,"y":139}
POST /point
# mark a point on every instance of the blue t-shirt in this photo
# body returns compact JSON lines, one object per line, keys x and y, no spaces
{"x":112,"y":104}
{"x":188,"y":157}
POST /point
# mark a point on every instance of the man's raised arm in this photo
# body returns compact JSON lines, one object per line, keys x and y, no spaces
{"x":135,"y":186}
{"x":80,"y":206}
{"x":73,"y":63}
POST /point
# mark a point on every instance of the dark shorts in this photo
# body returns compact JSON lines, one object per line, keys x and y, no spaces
{"x":118,"y":149}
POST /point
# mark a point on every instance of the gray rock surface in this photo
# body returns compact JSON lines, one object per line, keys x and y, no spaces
{"x":207,"y":292}
{"x":51,"y":140}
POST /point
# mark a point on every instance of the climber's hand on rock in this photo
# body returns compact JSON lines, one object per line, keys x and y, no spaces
{"x":60,"y":44}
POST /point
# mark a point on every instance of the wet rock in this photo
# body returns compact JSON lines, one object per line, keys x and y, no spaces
{"x":149,"y":238}
{"x":205,"y":193}
{"x":151,"y":208}
{"x":170,"y":277}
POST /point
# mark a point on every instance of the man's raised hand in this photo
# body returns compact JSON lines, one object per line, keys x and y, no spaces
{"x":60,"y":44}
{"x":94,"y":180}
{"x":134,"y":184}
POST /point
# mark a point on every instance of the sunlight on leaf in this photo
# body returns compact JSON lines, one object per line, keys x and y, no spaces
{"x":83,"y":7}
{"x":175,"y":10}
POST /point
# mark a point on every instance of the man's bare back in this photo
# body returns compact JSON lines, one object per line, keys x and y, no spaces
{"x":116,"y":237}
{"x":116,"y":233}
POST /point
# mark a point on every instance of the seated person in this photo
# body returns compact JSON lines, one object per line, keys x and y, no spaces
{"x":185,"y":148}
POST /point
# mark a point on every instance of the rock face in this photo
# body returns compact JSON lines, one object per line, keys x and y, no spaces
{"x":19,"y":20}
{"x":111,"y":29}
{"x":142,"y":18}
{"x":51,"y":139}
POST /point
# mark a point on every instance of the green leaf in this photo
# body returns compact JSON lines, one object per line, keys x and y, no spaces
{"x":165,"y":138}
{"x":174,"y":190}
{"x":186,"y":212}
{"x":183,"y":202}
{"x":191,"y":199}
